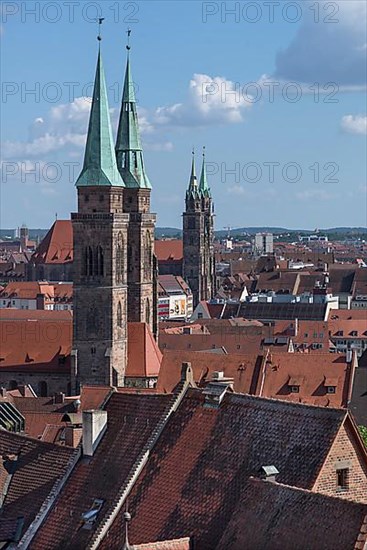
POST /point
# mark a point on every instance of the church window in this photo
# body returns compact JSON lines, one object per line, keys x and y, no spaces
{"x":98,"y":271}
{"x":147,"y":312}
{"x":89,"y":261}
{"x":119,"y":315}
{"x":86,"y":198}
{"x":93,"y":350}
{"x":101,"y":198}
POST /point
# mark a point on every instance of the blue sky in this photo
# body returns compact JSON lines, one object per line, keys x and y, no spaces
{"x":204,"y":72}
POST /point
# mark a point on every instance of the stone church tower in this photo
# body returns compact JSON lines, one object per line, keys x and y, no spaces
{"x":115,"y":273}
{"x":141,"y":264}
{"x":198,"y":237}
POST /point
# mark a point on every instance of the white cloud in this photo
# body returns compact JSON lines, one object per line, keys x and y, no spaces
{"x":330,"y":49}
{"x":314,"y":194}
{"x":210,"y":100}
{"x":354,"y":124}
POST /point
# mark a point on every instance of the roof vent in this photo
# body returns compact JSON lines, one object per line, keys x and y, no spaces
{"x":214,"y":394}
{"x":269,"y":473}
{"x":187,"y":330}
{"x":90,"y":516}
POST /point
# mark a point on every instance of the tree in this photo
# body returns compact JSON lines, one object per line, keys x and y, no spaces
{"x":363,"y":432}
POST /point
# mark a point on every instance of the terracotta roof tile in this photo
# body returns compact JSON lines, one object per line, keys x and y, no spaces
{"x":144,"y":355}
{"x":197,"y":471}
{"x":38,"y":467}
{"x":57,"y":245}
{"x":131,"y":420}
{"x":170,"y":249}
{"x":270,"y":516}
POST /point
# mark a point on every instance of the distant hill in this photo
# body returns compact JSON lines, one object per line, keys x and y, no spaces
{"x":174,"y":232}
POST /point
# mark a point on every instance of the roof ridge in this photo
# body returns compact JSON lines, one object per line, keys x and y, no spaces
{"x":253,"y":479}
{"x":136,"y":469}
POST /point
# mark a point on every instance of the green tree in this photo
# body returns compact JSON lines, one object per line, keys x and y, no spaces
{"x":363,"y":432}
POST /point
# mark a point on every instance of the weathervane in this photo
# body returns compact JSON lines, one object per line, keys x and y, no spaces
{"x":100,"y":21}
{"x":128,"y":32}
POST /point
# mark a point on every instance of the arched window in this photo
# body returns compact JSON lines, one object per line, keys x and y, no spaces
{"x":100,"y":261}
{"x":147,"y":256}
{"x":119,"y":315}
{"x":89,"y":261}
{"x":120,"y":259}
{"x":42,"y":389}
{"x":147,"y":312}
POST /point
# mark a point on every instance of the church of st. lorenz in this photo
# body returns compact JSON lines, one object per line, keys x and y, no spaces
{"x":115,"y":270}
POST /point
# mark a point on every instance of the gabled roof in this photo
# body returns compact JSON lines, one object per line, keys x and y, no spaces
{"x":144,"y":356}
{"x":37,"y":468}
{"x":315,"y":373}
{"x":272,"y":516}
{"x":244,"y":369}
{"x":168,"y":250}
{"x":57,"y":246}
{"x":198,"y":470}
{"x":131,"y":420}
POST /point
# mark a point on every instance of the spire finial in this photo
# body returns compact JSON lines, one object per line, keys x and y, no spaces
{"x":203,"y":151}
{"x":100,"y":21}
{"x":128,"y":32}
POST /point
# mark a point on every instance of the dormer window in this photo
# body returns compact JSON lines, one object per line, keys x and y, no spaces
{"x":330,"y":384}
{"x":294,"y":383}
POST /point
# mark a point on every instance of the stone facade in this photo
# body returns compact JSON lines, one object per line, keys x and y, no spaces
{"x":141,"y":287}
{"x":100,"y":286}
{"x":198,"y":248}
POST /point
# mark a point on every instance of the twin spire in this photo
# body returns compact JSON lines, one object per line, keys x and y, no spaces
{"x":195,"y":190}
{"x":103,"y":164}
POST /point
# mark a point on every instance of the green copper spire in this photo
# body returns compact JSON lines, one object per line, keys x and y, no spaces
{"x":203,"y":186}
{"x":99,"y":166}
{"x":129,"y":153}
{"x":193,"y":189}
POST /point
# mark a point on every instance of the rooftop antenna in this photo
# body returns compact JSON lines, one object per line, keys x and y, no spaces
{"x":100,"y":21}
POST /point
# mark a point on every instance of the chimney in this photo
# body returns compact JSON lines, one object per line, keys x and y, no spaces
{"x":73,"y":435}
{"x":40,"y":301}
{"x":94,"y":426}
{"x":187,"y":374}
{"x":296,"y":327}
{"x":59,"y":398}
{"x":269,"y":473}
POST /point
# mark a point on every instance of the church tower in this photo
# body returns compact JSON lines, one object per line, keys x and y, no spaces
{"x":100,"y":243}
{"x":141,"y":264}
{"x":198,"y":237}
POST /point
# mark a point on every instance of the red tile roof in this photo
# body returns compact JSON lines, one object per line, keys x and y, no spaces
{"x":144,"y":356}
{"x":168,"y":250}
{"x":244,"y":369}
{"x":271,"y":516}
{"x":131,"y":421}
{"x":35,"y":342}
{"x":312,"y":374}
{"x":57,"y":245}
{"x":38,"y":467}
{"x":197,"y":471}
